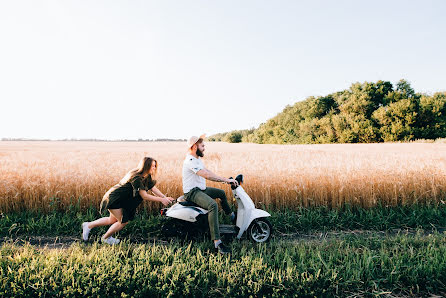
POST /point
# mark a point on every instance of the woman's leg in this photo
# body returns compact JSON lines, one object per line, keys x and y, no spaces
{"x":104,"y":221}
{"x":117,"y":225}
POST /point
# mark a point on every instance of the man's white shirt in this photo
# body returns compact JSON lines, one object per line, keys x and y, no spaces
{"x":191,"y":166}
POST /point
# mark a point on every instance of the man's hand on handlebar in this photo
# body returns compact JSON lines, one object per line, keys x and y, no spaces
{"x":232,"y":182}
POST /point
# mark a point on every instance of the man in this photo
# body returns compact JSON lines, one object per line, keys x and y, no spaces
{"x":195,"y":190}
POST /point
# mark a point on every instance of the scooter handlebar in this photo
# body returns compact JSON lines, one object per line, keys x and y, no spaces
{"x":239,"y":179}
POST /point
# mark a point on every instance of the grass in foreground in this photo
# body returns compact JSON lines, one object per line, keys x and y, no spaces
{"x":303,"y":220}
{"x":398,"y":265}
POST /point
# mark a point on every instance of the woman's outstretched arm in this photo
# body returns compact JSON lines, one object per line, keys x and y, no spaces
{"x":163,"y":200}
{"x":157,"y":192}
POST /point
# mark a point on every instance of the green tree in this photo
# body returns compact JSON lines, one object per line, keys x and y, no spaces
{"x":432,"y":116}
{"x":319,"y":107}
{"x":365,"y":98}
{"x":403,"y":91}
{"x":366,"y":112}
{"x":398,"y":120}
{"x":351,"y":128}
{"x":233,"y":137}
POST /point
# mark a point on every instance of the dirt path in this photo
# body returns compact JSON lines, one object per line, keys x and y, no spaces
{"x":66,"y":241}
{"x":54,"y":242}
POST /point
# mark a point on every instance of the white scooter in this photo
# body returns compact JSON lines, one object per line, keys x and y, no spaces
{"x":186,"y":218}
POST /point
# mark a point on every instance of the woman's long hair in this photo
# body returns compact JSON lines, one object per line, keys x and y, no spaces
{"x":142,"y":170}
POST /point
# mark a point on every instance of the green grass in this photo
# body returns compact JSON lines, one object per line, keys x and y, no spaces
{"x":380,"y":218}
{"x":367,"y":264}
{"x":401,"y":265}
{"x":315,"y":219}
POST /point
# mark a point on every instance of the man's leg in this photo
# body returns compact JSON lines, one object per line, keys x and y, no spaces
{"x":219,"y":193}
{"x":206,"y":202}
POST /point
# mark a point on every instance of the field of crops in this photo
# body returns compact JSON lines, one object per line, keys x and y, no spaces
{"x":44,"y":175}
{"x":36,"y":174}
{"x":396,"y":248}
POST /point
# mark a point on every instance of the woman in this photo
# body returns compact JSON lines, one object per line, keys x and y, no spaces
{"x":123,"y":199}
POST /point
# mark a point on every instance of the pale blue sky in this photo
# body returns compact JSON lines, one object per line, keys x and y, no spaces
{"x":154,"y":69}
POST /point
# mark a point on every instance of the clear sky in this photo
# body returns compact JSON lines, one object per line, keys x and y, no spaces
{"x":171,"y":69}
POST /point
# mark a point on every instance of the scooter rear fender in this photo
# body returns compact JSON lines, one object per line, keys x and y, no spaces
{"x":188,"y":213}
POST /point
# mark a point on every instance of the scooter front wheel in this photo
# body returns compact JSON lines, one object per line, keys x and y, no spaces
{"x":260,"y":230}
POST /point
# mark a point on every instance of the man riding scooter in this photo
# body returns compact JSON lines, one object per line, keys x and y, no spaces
{"x":195,"y":190}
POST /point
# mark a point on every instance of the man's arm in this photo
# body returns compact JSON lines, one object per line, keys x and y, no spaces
{"x":205,"y":173}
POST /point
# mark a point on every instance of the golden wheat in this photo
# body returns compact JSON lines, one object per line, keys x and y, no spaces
{"x":44,"y":175}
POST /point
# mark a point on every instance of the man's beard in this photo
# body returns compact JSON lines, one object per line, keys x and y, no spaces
{"x":199,"y":153}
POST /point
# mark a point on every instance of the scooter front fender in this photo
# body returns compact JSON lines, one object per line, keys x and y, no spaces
{"x":258,"y":213}
{"x":250,"y":216}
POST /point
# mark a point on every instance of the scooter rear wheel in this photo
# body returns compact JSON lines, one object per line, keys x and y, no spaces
{"x":260,"y":230}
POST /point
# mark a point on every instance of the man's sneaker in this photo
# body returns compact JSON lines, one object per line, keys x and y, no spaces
{"x":222,"y":249}
{"x":110,"y":240}
{"x":85,"y":231}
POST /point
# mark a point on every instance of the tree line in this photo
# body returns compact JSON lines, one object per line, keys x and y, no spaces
{"x":365,"y":113}
{"x":93,"y":140}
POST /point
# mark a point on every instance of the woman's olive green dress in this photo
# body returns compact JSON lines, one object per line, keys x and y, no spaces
{"x":126,"y":195}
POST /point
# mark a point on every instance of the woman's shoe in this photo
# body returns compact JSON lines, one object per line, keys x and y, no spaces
{"x":85,"y":231}
{"x":110,"y":240}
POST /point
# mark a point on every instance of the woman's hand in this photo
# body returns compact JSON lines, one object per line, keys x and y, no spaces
{"x":166,"y":200}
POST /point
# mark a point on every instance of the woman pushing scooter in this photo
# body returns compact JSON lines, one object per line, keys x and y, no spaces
{"x":122,"y":200}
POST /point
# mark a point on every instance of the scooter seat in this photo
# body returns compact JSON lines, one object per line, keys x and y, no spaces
{"x":188,"y":204}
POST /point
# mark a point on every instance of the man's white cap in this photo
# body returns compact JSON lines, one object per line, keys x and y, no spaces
{"x":193,"y":140}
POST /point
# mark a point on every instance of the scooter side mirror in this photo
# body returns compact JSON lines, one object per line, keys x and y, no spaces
{"x":239,"y":179}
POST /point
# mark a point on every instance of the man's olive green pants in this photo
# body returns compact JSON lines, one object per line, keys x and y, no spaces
{"x":206,"y":199}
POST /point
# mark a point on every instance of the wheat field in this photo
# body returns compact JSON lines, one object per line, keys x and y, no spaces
{"x":37,"y":175}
